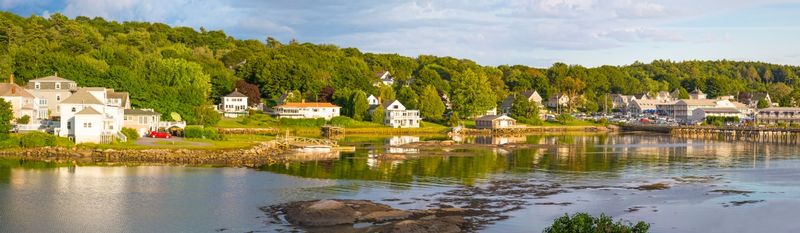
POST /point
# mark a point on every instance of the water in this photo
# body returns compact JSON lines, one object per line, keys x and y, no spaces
{"x":597,"y":172}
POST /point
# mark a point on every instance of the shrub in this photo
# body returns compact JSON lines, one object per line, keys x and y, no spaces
{"x":24,"y":120}
{"x":37,"y":139}
{"x":343,"y":121}
{"x":195,"y":131}
{"x":10,"y":142}
{"x":583,"y":222}
{"x":131,"y":134}
{"x":564,"y":118}
{"x":319,"y":122}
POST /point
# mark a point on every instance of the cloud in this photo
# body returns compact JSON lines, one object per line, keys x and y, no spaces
{"x":491,"y":32}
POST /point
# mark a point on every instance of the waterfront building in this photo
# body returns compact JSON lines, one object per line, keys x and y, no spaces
{"x":307,"y":110}
{"x":397,"y":116}
{"x":50,"y":91}
{"x":23,"y":103}
{"x":684,"y":109}
{"x":234,"y":104}
{"x":142,"y":120}
{"x":495,"y":122}
{"x":700,"y":114}
{"x":775,"y":115}
{"x":92,"y":115}
{"x":558,"y":100}
{"x":621,"y":102}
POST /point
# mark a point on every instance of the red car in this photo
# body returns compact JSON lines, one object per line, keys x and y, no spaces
{"x":156,"y":134}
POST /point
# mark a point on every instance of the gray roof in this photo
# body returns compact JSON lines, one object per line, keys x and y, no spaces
{"x":88,"y":111}
{"x":236,"y":93}
{"x":508,"y":102}
{"x":52,"y":78}
{"x":124,"y":96}
{"x":491,"y":117}
{"x":81,"y":97}
{"x":720,"y":110}
{"x":141,"y":112}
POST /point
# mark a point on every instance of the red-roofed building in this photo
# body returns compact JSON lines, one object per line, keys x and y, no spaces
{"x":307,"y":110}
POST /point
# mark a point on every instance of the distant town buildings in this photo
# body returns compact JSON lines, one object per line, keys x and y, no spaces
{"x":23,"y":103}
{"x":700,"y":114}
{"x":776,"y":115}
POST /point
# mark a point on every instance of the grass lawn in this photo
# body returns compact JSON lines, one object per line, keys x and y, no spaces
{"x":572,"y":123}
{"x":230,"y":142}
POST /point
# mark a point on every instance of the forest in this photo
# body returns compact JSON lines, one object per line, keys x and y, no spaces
{"x":183,"y":70}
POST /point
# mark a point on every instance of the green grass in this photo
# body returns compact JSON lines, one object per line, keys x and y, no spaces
{"x":571,"y":123}
{"x":234,"y":141}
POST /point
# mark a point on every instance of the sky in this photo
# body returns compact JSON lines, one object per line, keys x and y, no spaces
{"x":491,"y":32}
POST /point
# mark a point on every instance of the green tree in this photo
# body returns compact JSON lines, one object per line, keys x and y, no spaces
{"x":206,"y":116}
{"x":294,"y":97}
{"x":24,"y":120}
{"x":359,"y":106}
{"x":408,"y":97}
{"x":378,"y":115}
{"x":386,"y":93}
{"x":6,"y":116}
{"x":525,"y":111}
{"x":762,"y":103}
{"x":430,"y":105}
{"x":472,"y":94}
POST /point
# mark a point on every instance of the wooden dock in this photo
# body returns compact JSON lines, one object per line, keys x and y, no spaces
{"x":749,"y":134}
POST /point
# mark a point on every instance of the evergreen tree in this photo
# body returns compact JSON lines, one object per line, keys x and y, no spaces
{"x":408,"y":97}
{"x":430,"y":105}
{"x":358,"y":106}
{"x":6,"y":116}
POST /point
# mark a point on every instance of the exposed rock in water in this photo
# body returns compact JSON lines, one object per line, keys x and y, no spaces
{"x":730,"y":191}
{"x":655,"y":186}
{"x":341,"y":215}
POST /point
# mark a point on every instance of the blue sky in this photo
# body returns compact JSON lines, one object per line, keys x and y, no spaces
{"x":491,"y":32}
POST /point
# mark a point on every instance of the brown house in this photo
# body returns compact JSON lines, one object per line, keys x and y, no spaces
{"x":495,"y":122}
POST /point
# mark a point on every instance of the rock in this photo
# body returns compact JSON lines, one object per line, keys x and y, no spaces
{"x":321,"y":213}
{"x":383,"y":216}
{"x":423,"y":226}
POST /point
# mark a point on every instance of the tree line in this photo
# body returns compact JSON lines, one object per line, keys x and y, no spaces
{"x":183,"y":70}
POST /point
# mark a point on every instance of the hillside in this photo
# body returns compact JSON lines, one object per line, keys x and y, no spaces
{"x":175,"y":69}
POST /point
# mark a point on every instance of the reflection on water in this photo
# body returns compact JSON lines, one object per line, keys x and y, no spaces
{"x":49,"y":197}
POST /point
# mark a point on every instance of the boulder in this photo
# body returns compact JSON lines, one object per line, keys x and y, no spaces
{"x":321,"y":213}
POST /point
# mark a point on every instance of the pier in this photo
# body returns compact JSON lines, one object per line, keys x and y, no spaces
{"x":748,"y":134}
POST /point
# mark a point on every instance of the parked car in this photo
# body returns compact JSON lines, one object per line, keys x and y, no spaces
{"x":156,"y":134}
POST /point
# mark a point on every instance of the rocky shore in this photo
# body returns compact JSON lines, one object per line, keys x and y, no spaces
{"x":261,"y":154}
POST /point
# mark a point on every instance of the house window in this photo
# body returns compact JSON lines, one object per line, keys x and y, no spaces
{"x":58,"y":85}
{"x":69,"y":125}
{"x":43,"y":101}
{"x":58,"y":97}
{"x":73,"y":109}
{"x":36,"y":86}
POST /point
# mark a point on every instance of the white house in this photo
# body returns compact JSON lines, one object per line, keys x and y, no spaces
{"x":373,"y":101}
{"x":397,"y":116}
{"x":558,"y":100}
{"x":234,"y":104}
{"x":384,"y":78}
{"x":700,"y":114}
{"x":685,"y":108}
{"x":307,"y":110}
{"x":92,"y":115}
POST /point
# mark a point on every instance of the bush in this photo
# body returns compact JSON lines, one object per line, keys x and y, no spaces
{"x":195,"y":131}
{"x":24,"y":120}
{"x":10,"y":142}
{"x":319,"y":122}
{"x":37,"y":139}
{"x":343,"y":121}
{"x":131,"y":134}
{"x":583,"y":222}
{"x":564,"y":118}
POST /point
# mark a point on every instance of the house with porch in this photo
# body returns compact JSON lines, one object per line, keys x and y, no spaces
{"x":397,"y":116}
{"x":307,"y":110}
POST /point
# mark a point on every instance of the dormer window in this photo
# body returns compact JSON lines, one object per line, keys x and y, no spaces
{"x":73,"y":109}
{"x":36,"y":86}
{"x":58,"y":97}
{"x":58,"y":86}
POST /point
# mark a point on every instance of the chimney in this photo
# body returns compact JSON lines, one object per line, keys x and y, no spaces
{"x":302,"y":100}
{"x":11,"y":79}
{"x":13,"y":90}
